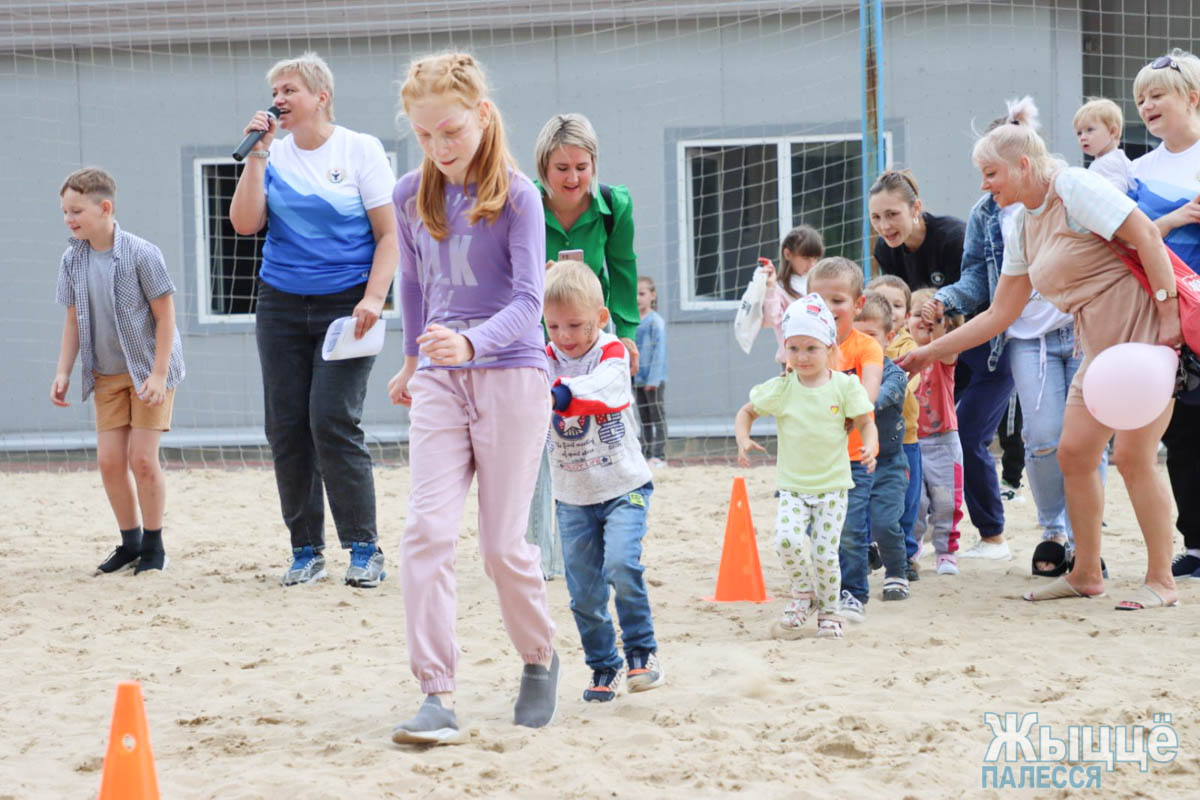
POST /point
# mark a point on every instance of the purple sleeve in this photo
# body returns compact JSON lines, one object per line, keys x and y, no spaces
{"x":412,"y":305}
{"x":526,"y":223}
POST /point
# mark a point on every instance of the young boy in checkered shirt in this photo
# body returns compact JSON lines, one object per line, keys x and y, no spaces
{"x":121,"y":322}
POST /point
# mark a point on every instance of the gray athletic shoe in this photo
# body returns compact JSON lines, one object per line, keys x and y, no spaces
{"x":538,"y":698}
{"x":307,"y":566}
{"x":433,"y":724}
{"x":366,"y":565}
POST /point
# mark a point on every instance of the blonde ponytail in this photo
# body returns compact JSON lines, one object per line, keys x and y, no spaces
{"x":1017,"y":136}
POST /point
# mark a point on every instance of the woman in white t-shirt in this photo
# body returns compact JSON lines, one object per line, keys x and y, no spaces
{"x":1167,"y":189}
{"x":325,"y":195}
{"x":1059,"y":247}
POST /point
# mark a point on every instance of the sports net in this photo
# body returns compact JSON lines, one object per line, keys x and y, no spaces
{"x":729,"y":121}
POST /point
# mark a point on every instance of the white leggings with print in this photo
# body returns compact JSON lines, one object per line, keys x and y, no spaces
{"x":808,"y":531}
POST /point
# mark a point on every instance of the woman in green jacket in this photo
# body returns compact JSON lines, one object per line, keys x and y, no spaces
{"x":582,"y":214}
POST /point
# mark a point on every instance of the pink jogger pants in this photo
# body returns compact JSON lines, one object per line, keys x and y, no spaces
{"x":489,"y":423}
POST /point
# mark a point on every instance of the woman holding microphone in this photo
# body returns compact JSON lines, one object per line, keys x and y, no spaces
{"x":324,"y":193}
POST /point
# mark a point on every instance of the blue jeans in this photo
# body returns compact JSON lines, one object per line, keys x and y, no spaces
{"x":852,"y":552}
{"x":314,"y":416}
{"x":912,"y":497}
{"x":981,"y":398}
{"x":888,"y":488}
{"x":602,"y":547}
{"x":1043,"y":369}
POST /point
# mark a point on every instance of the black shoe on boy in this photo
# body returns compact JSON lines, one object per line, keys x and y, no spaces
{"x":151,"y":555}
{"x":123,"y":556}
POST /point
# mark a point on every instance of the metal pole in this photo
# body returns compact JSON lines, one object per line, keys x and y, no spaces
{"x":874,"y":153}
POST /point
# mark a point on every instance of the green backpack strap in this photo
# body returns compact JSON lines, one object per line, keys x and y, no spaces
{"x":606,"y":193}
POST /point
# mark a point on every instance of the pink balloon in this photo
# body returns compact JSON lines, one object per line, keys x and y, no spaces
{"x":1127,"y":386}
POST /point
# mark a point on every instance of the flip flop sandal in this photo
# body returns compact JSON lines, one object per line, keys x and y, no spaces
{"x":1144,"y":598}
{"x":1053,"y":552}
{"x":1058,"y":589}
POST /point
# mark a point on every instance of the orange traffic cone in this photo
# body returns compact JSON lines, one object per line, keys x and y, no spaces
{"x":740,"y":577}
{"x":129,"y":763}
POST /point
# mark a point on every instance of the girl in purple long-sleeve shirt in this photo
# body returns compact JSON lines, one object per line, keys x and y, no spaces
{"x":472,"y":254}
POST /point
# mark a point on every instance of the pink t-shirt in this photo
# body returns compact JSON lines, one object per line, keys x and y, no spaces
{"x":935,"y":398}
{"x":774,"y":307}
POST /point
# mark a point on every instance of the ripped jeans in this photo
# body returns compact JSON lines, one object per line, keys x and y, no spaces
{"x":1042,"y":370}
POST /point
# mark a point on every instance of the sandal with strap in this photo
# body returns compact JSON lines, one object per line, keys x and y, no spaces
{"x":1051,"y":552}
{"x":1058,"y":589}
{"x":1071,"y":566}
{"x":1144,"y":598}
{"x":895,"y":589}
{"x":791,"y":624}
{"x":829,"y":628}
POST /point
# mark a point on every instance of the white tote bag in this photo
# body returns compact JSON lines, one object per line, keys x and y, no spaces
{"x":748,"y":321}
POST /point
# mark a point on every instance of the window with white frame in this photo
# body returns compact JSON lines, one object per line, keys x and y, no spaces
{"x":227,"y":263}
{"x":739,"y":197}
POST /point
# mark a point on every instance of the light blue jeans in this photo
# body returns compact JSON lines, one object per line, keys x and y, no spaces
{"x":541,"y":530}
{"x":1042,"y":370}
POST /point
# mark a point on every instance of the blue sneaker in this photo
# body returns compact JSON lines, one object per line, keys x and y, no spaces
{"x":307,"y":565}
{"x":645,"y":671}
{"x":366,"y":565}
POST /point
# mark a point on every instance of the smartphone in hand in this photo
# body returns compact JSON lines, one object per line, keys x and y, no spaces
{"x":570,"y":255}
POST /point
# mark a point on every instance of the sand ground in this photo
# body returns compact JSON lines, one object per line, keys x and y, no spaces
{"x":256,"y":691}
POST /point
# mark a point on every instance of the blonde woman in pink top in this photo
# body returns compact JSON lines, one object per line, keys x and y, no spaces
{"x":1059,"y":246}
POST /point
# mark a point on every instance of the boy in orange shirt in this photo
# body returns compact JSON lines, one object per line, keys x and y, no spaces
{"x":839,"y":281}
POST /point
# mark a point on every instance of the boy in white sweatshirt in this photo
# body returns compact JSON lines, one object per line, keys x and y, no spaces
{"x":602,"y":483}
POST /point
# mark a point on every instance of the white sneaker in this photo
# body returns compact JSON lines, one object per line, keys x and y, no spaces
{"x":988,"y":550}
{"x":656,"y":463}
{"x":947,"y":564}
{"x":851,"y":608}
{"x":1010,"y":493}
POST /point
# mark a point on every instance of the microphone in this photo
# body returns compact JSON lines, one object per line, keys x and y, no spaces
{"x":252,"y":137}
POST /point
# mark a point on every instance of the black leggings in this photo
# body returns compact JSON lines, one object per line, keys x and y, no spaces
{"x":1183,"y":467}
{"x":654,"y":421}
{"x":1012,"y":447}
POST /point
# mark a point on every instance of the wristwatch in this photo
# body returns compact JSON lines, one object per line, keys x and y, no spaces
{"x":1162,"y":295}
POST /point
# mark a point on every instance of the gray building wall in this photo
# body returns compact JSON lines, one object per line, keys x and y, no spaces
{"x":143,"y":112}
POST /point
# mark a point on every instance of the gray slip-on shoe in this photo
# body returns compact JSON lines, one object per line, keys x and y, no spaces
{"x":433,"y":724}
{"x":538,"y":698}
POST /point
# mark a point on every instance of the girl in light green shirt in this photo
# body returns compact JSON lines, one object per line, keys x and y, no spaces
{"x":812,"y":404}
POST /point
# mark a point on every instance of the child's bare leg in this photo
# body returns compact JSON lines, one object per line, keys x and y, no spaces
{"x":148,"y":473}
{"x":112,"y":457}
